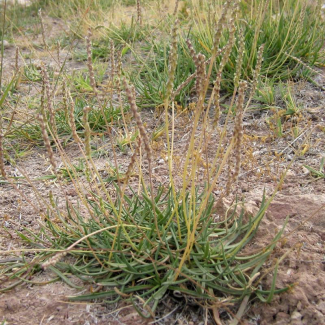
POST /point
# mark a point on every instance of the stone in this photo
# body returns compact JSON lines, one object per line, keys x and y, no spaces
{"x":6,"y":44}
{"x":296,"y":315}
{"x":297,"y":205}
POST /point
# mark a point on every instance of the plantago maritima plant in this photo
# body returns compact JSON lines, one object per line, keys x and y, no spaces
{"x":136,"y":239}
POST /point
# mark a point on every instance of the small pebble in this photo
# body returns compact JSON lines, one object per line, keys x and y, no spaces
{"x":6,"y":44}
{"x":296,"y":315}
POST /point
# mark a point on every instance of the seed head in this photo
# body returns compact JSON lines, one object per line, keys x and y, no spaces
{"x":130,"y":92}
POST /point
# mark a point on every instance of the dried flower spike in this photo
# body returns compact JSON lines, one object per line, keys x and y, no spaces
{"x":47,"y":88}
{"x":90,"y":62}
{"x":172,"y":61}
{"x":240,"y":57}
{"x":192,"y":51}
{"x":2,"y":164}
{"x":139,"y":13}
{"x":176,"y":7}
{"x":52,"y":261}
{"x":201,"y":73}
{"x":257,"y":70}
{"x":58,"y":51}
{"x":86,"y":125}
{"x":112,"y":60}
{"x":130,"y":92}
{"x":132,"y":162}
{"x":42,"y":27}
{"x":221,"y":22}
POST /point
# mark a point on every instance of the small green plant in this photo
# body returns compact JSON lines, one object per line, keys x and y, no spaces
{"x":81,"y":82}
{"x":291,"y":108}
{"x":75,"y":170}
{"x":266,"y":93}
{"x":287,"y":114}
{"x":320,"y":173}
{"x":32,"y":73}
{"x":81,"y":79}
{"x":125,"y":140}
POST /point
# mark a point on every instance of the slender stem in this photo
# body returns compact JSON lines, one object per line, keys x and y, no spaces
{"x":2,"y":39}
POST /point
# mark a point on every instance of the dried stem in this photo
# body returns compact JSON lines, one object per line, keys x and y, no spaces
{"x":130,"y":92}
{"x":72,"y":122}
{"x":58,"y":51}
{"x":240,"y":57}
{"x":47,"y":140}
{"x":176,"y":7}
{"x":112,"y":60}
{"x":42,"y":28}
{"x":139,"y":13}
{"x":17,"y":60}
{"x":238,"y":130}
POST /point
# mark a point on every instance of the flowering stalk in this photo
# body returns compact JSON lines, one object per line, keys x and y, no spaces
{"x":86,"y":125}
{"x":47,"y":88}
{"x":172,"y":62}
{"x":90,"y":62}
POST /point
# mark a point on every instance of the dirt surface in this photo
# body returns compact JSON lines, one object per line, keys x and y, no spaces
{"x":301,"y":198}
